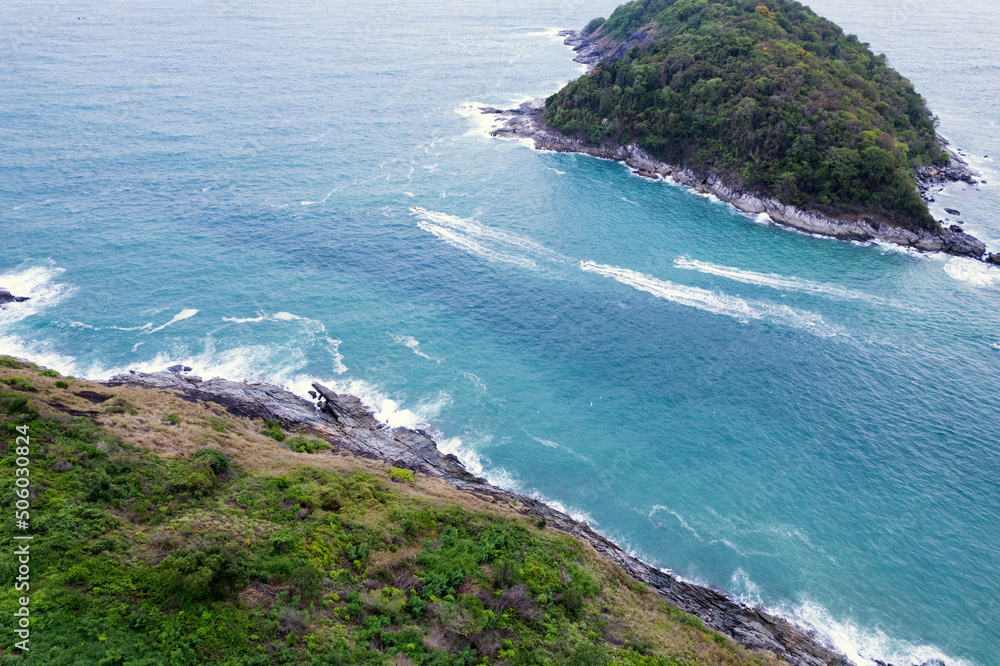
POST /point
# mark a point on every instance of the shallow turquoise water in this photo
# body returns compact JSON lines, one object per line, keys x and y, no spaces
{"x":809,"y":424}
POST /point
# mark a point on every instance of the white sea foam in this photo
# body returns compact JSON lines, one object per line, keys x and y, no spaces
{"x":679,"y":517}
{"x":323,"y":200}
{"x":470,"y":228}
{"x":277,"y":316}
{"x":561,"y":173}
{"x":39,"y":284}
{"x":551,"y":33}
{"x":745,"y":590}
{"x":718,"y":303}
{"x":973,"y":272}
{"x":180,"y":316}
{"x":862,"y":646}
{"x":37,"y":351}
{"x":773,"y":280}
{"x":555,"y":445}
{"x":464,"y":243}
{"x":413,"y":345}
{"x":482,"y":123}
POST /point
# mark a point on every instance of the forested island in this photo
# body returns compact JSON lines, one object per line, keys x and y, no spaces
{"x":758,"y":100}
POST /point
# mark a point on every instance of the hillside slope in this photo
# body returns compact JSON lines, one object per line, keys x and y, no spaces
{"x":167,"y":529}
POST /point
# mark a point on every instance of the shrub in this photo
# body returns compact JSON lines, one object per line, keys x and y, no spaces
{"x":306,"y":444}
{"x":172,"y":419}
{"x":219,"y":425}
{"x":119,"y":406}
{"x":216,"y":460}
{"x":19,"y":383}
{"x":208,"y":572}
{"x":8,"y":362}
{"x":593,"y":25}
{"x":272,"y":429}
{"x":61,"y":384}
{"x":49,"y":373}
{"x":400,"y":475}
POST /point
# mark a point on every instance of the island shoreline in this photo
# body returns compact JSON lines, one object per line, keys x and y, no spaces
{"x":527,"y":122}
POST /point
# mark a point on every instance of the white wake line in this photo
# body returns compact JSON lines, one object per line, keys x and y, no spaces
{"x":775,"y":281}
{"x":469,"y":245}
{"x":716,"y":302}
{"x":470,"y":228}
{"x":180,"y":316}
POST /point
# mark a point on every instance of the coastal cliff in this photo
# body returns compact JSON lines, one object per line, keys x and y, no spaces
{"x":348,"y":426}
{"x":237,"y":522}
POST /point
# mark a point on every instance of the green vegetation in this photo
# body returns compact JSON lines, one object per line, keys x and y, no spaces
{"x":120,"y":406}
{"x":306,"y":444}
{"x":62,"y":385}
{"x":273,"y":430}
{"x":141,"y":560}
{"x":593,"y":25}
{"x":19,"y":383}
{"x":172,"y":419}
{"x":48,"y":373}
{"x":768,"y":95}
{"x":196,"y":555}
{"x":400,"y":475}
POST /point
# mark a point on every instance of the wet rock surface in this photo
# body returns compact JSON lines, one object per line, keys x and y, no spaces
{"x":7,"y":297}
{"x":344,"y":422}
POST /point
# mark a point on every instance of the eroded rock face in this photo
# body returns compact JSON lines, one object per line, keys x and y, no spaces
{"x":344,"y":422}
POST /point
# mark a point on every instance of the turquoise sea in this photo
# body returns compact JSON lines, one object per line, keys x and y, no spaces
{"x":811,"y":425}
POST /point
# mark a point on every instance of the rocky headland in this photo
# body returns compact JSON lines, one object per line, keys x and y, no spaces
{"x":528,"y":122}
{"x":348,"y":426}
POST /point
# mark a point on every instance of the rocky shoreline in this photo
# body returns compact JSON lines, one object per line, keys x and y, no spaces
{"x":527,"y":122}
{"x":344,"y":422}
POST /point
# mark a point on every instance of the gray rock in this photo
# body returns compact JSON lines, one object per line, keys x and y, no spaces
{"x":993,"y":258}
{"x":952,"y":211}
{"x":178,"y":369}
{"x":7,"y":297}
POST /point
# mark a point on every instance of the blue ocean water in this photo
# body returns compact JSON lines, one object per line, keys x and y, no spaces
{"x":809,"y":424}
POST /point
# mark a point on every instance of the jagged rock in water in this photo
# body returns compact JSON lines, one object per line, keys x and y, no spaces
{"x":7,"y":297}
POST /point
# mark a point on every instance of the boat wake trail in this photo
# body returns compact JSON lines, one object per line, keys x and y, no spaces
{"x":775,"y":281}
{"x":716,"y":302}
{"x":493,"y":244}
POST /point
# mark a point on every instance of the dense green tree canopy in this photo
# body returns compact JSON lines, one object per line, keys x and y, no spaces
{"x":765,"y":93}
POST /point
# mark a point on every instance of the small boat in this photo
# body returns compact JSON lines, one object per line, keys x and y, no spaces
{"x":995,"y":345}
